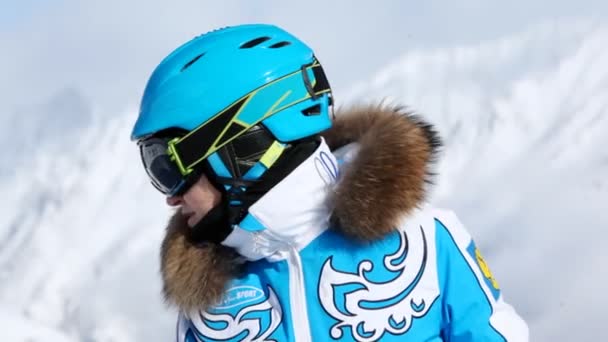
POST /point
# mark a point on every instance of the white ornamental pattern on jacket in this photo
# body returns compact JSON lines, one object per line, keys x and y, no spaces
{"x":379,"y":307}
{"x":233,"y":326}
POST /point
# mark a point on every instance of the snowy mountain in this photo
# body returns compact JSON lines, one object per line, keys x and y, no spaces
{"x":525,"y":122}
{"x":76,"y":244}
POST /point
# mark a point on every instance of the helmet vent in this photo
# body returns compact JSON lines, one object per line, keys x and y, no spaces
{"x":187,"y":65}
{"x":254,"y":42}
{"x":312,"y":111}
{"x":279,"y":45}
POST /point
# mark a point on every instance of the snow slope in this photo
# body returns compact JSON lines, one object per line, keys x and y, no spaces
{"x":525,"y":122}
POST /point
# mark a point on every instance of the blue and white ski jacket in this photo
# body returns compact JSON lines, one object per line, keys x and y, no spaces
{"x":306,"y":280}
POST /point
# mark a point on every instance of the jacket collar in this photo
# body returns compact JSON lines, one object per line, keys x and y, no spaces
{"x":292,"y":213}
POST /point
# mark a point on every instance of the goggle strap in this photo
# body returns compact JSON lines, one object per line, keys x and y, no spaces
{"x":320,"y":85}
{"x":172,"y":152}
{"x":186,"y":151}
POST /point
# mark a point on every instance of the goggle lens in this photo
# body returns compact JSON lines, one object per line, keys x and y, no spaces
{"x":163,"y":172}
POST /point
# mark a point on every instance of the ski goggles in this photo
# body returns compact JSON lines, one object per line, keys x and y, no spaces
{"x":162,"y":169}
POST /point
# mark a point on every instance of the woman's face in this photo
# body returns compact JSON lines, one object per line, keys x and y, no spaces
{"x":197,"y":201}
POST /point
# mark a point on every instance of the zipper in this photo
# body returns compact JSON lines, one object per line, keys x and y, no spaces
{"x":297,"y":297}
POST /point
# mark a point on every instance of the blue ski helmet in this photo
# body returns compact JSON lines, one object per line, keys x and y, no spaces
{"x":232,"y":99}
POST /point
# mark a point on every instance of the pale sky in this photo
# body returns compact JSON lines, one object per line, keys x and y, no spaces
{"x":105,"y":50}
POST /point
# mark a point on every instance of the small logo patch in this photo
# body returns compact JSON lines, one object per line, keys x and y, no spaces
{"x":239,"y":295}
{"x":327,"y":169}
{"x":485,"y":270}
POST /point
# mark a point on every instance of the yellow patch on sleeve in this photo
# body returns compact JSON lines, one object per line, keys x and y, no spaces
{"x":485,"y":269}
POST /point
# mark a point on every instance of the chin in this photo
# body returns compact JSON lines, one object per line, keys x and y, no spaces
{"x":192,"y":221}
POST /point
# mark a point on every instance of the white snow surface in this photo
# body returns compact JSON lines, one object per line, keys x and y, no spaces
{"x":525,"y":164}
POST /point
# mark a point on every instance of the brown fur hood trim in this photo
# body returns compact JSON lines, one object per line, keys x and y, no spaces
{"x":387,"y":179}
{"x":194,"y":276}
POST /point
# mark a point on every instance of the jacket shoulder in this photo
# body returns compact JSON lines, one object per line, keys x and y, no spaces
{"x":428,"y":217}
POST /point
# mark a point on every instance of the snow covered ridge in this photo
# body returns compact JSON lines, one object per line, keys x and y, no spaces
{"x":78,"y":248}
{"x":525,"y":119}
{"x":536,"y":89}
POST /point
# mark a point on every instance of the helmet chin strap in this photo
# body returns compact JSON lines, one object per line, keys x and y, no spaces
{"x":218,"y":223}
{"x":213,"y":227}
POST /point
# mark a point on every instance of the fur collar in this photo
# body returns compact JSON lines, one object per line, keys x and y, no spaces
{"x":387,"y":179}
{"x":384,"y":182}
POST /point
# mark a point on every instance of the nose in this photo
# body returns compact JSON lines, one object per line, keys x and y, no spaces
{"x":172,"y":201}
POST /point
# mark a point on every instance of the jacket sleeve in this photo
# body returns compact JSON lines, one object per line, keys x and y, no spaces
{"x":473,"y":305}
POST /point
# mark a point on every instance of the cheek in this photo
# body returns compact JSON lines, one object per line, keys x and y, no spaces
{"x":202,"y":199}
{"x":196,"y":201}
